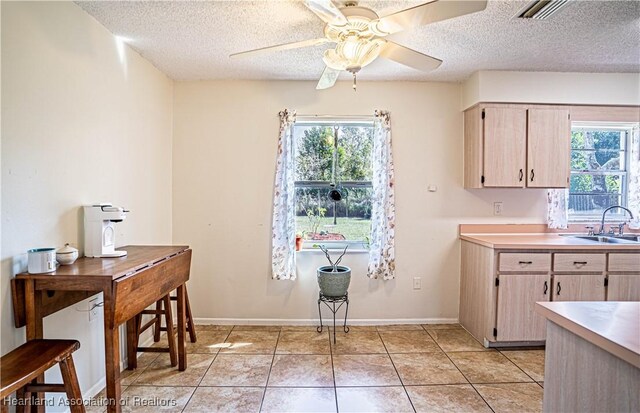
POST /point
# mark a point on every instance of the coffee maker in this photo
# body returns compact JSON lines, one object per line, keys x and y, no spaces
{"x":99,"y":230}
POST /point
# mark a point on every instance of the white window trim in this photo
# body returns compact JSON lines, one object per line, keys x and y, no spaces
{"x":627,"y":126}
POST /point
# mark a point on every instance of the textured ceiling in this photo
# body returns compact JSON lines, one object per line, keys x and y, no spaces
{"x":192,"y":40}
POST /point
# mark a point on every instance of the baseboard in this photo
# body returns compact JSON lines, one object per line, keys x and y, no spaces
{"x":314,"y":321}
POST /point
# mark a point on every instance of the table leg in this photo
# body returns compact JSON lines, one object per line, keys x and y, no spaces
{"x":182,"y":353}
{"x":33,"y":306}
{"x":112,"y":356}
{"x":132,"y":343}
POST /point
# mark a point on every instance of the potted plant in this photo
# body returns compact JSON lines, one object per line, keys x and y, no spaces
{"x":334,"y":279}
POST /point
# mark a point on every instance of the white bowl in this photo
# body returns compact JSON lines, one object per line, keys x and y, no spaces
{"x":66,"y":255}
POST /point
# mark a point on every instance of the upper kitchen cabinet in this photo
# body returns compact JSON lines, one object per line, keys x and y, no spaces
{"x":516,"y":146}
{"x":548,"y":148}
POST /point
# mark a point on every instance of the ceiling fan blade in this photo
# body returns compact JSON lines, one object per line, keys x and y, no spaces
{"x":431,"y":12}
{"x":327,"y":11}
{"x":284,"y":46}
{"x":409,"y":57}
{"x":328,"y":78}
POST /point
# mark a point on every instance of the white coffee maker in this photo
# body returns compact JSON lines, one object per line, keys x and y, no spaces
{"x":99,"y":230}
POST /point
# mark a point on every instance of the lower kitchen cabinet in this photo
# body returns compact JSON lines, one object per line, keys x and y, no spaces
{"x":516,"y":318}
{"x":578,"y":287}
{"x":623,"y":287}
{"x":499,"y":287}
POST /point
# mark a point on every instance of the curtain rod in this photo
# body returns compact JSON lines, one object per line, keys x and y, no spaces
{"x":338,"y":116}
{"x":333,"y":118}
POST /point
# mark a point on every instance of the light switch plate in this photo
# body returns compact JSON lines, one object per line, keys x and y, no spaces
{"x":417,"y":283}
{"x":497,"y":208}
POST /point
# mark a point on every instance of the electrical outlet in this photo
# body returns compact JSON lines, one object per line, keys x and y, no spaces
{"x":497,"y":208}
{"x":417,"y":283}
{"x":93,"y":309}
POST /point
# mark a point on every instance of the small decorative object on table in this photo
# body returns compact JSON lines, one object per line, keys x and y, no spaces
{"x":66,"y":255}
{"x":334,"y":281}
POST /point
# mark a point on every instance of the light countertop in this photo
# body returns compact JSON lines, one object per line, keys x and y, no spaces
{"x":543,"y":241}
{"x":613,"y":326}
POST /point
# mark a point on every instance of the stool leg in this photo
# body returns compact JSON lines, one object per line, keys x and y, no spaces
{"x":158,"y":325}
{"x":190,"y":326}
{"x":171,"y":337}
{"x":71,"y":385}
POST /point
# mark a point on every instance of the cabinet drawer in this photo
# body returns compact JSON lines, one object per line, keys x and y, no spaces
{"x":525,"y":262}
{"x":579,"y":262}
{"x":624,"y":262}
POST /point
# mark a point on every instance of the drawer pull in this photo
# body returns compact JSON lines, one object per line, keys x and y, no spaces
{"x":580,"y":263}
{"x":546,"y":288}
{"x":558,"y":288}
{"x":525,"y":262}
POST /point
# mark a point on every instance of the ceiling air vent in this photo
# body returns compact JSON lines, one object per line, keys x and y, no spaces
{"x":542,"y":9}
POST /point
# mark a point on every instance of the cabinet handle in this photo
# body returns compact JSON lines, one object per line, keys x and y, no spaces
{"x":580,"y":263}
{"x":525,"y":262}
{"x":546,"y":288}
{"x":521,"y":175}
{"x":532,"y":175}
{"x":558,"y":288}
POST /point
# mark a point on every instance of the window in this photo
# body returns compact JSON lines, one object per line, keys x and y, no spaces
{"x":599,"y":164}
{"x":322,"y":163}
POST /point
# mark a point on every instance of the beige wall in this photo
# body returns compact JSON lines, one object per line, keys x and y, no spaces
{"x":552,"y":87}
{"x":225,"y":136}
{"x":84,"y":120}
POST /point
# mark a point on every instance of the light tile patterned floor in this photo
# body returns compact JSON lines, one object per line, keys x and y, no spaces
{"x":401,"y":368}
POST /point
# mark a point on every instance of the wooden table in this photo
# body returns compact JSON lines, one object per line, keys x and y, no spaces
{"x":129,"y":284}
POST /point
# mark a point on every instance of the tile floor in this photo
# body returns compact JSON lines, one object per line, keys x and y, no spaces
{"x":428,"y":368}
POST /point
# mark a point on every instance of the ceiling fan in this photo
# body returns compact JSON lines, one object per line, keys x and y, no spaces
{"x":359,"y":34}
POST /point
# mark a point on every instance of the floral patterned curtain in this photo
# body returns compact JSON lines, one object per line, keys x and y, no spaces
{"x":383,"y":211}
{"x":557,"y":208}
{"x":283,"y":241}
{"x":633,"y":199}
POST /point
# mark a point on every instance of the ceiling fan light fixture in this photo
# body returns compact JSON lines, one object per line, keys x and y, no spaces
{"x":353,"y":53}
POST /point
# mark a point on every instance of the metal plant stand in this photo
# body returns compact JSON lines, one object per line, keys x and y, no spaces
{"x":331,"y":303}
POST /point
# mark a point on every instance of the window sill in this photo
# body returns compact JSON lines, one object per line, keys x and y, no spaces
{"x":319,"y":251}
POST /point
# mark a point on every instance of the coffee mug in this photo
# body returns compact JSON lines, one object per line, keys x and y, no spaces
{"x":41,"y":260}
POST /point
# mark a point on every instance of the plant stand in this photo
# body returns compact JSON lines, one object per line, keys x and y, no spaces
{"x":331,"y":303}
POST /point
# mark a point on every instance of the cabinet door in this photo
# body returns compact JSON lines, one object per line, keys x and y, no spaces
{"x":578,"y":287}
{"x":623,"y":287}
{"x":517,"y":318}
{"x":548,"y":148}
{"x":504,"y":152}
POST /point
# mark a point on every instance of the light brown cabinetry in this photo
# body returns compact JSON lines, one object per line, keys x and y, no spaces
{"x":517,"y":296}
{"x":505,"y":140}
{"x":548,"y":148}
{"x":578,"y":287}
{"x":510,"y":145}
{"x":623,"y":277}
{"x":499,"y":287}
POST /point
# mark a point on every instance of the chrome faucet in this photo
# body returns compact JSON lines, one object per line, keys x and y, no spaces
{"x":621,"y":226}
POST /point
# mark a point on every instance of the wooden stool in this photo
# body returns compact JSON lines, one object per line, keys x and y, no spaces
{"x":135,"y":328}
{"x":191,"y":329}
{"x":22,"y":366}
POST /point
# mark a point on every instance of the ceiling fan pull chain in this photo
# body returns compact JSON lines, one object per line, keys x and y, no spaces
{"x":355,"y":85}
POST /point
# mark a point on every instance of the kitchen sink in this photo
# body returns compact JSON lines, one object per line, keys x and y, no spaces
{"x":617,"y":239}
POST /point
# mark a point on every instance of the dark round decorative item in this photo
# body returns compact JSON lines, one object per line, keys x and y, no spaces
{"x":334,"y":283}
{"x":335,"y":194}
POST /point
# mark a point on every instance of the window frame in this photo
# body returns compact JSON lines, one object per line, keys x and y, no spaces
{"x":355,"y":121}
{"x":622,"y":127}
